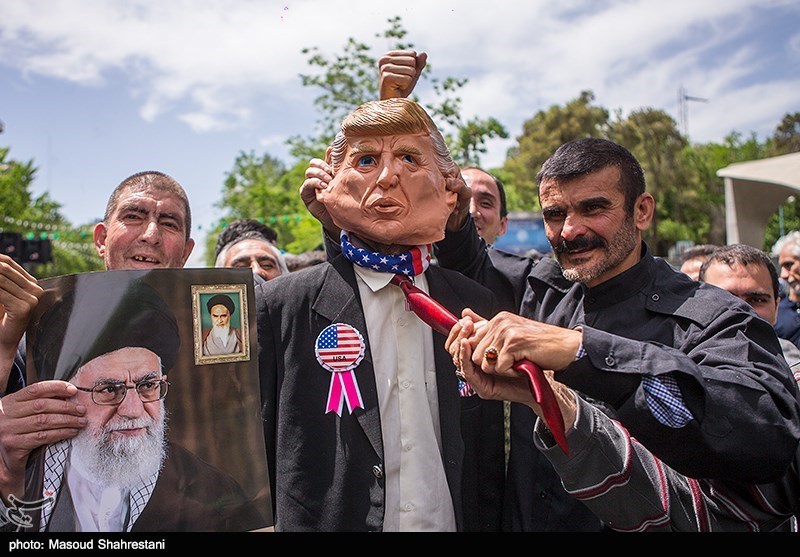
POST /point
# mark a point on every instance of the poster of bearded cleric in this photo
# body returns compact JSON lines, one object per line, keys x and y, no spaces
{"x":169,"y":445}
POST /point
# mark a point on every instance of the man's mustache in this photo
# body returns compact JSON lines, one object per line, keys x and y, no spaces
{"x":582,"y":242}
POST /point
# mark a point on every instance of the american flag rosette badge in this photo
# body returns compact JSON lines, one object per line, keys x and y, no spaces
{"x":339,"y":349}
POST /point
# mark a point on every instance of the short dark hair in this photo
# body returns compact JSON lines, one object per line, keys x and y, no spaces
{"x":700,"y":250}
{"x":295,"y":262}
{"x":500,"y":189}
{"x":591,"y":154}
{"x":244,"y":229}
{"x":744,"y":255}
{"x":150,"y":179}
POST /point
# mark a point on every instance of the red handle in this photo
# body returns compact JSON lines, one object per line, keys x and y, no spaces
{"x":441,"y":320}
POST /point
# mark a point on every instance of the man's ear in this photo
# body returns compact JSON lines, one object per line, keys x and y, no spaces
{"x":187,"y":250}
{"x":643,"y":211}
{"x":100,"y":239}
{"x":328,"y":152}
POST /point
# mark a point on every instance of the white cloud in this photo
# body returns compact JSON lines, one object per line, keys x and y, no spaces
{"x":222,"y":66}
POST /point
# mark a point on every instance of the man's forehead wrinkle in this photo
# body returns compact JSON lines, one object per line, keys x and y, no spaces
{"x":136,"y":207}
{"x":144,"y":375}
{"x":139,"y":206}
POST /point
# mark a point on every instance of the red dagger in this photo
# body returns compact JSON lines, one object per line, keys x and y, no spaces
{"x":441,"y":320}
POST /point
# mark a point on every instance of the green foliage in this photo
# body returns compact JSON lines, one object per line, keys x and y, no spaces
{"x":260,"y":187}
{"x":682,"y":177}
{"x":786,"y":138}
{"x":347,"y":80}
{"x":72,"y":249}
{"x":352,"y":78}
{"x":653,"y":138}
{"x":541,"y":136}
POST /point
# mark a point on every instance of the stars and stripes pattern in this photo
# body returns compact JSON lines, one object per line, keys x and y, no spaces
{"x":339,"y":347}
{"x":465,"y":389}
{"x":409,"y":263}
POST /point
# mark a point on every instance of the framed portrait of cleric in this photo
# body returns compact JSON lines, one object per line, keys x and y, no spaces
{"x":220,"y":315}
{"x":168,"y":445}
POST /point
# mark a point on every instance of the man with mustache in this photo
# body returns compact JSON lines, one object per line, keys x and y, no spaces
{"x":120,"y":473}
{"x":678,"y":365}
{"x":629,"y":487}
{"x":625,"y":328}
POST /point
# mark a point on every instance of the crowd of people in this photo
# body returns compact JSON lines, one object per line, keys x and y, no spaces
{"x":675,"y":395}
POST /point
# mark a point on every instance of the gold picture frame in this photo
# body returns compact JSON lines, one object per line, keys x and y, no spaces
{"x":211,"y":352}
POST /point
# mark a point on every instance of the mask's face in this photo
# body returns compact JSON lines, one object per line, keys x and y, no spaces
{"x":389,"y":190}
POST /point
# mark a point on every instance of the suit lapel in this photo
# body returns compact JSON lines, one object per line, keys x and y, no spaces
{"x":338,"y":302}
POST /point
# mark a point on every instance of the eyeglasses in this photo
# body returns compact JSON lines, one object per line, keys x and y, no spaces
{"x":112,"y":393}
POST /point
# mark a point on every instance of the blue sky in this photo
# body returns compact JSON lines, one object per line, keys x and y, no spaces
{"x":95,"y":90}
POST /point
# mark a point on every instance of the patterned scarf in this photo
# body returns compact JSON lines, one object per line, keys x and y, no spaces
{"x":413,"y":262}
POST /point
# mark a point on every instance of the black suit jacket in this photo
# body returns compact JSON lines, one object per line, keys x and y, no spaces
{"x":327,"y":471}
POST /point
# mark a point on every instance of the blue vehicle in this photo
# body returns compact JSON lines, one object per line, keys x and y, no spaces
{"x":525,"y":232}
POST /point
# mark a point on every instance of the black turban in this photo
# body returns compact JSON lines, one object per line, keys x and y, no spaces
{"x":105,"y":311}
{"x":221,"y":299}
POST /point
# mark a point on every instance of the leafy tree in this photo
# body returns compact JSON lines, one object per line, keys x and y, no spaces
{"x":786,"y":138}
{"x":351,"y":78}
{"x":347,"y":80}
{"x":541,"y":136}
{"x":40,"y":218}
{"x":704,"y":196}
{"x":653,"y":138}
{"x":261,"y":188}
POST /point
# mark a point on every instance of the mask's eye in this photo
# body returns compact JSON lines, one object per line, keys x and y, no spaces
{"x":366,"y":160}
{"x":409,"y":159}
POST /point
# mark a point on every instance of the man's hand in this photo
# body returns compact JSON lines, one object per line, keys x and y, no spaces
{"x":399,"y":72}
{"x":457,"y":218}
{"x":318,"y":176}
{"x":493,"y":382}
{"x":517,"y":338}
{"x":37,"y":415}
{"x":19,"y":295}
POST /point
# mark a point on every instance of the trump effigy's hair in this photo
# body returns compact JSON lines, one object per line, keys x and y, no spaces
{"x":396,"y":116}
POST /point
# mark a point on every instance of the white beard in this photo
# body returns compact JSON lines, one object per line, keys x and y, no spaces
{"x":221,"y":334}
{"x":121,"y":462}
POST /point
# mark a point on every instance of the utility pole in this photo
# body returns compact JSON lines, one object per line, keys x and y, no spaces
{"x":683,"y":108}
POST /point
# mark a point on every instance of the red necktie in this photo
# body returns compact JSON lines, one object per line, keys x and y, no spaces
{"x":441,"y":320}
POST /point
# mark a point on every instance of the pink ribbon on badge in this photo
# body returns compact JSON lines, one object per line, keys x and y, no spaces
{"x":339,"y":349}
{"x":344,"y":387}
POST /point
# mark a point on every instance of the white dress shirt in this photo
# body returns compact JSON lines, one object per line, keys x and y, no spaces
{"x":417,"y":494}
